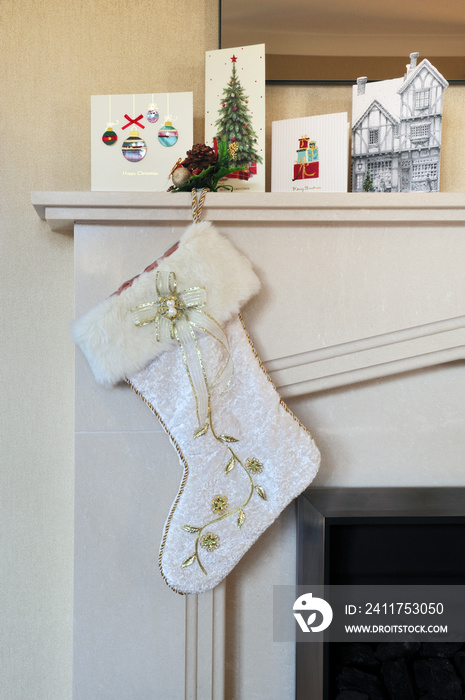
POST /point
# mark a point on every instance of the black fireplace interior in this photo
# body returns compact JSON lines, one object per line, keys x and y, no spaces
{"x":393,"y":551}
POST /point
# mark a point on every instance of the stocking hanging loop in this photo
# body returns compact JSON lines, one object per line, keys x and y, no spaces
{"x":197,"y":207}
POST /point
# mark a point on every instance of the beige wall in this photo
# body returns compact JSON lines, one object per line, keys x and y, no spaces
{"x":54,"y":56}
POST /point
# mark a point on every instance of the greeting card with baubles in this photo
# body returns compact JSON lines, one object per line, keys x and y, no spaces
{"x":135,"y":139}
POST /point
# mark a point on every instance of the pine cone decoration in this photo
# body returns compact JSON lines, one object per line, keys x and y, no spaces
{"x":199,"y":157}
{"x":205,"y":168}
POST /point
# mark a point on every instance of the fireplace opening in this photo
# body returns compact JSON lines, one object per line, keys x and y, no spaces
{"x":407,"y":550}
{"x":387,"y":536}
{"x":394,"y":551}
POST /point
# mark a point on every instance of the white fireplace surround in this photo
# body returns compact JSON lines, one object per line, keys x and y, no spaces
{"x":356,"y":289}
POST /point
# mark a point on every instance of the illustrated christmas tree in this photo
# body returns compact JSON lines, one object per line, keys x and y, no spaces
{"x":368,"y":184}
{"x":235,"y":122}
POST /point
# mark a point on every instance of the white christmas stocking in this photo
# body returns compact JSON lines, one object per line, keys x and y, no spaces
{"x":175,"y":334}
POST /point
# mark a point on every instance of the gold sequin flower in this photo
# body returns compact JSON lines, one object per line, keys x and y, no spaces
{"x":253,"y":465}
{"x":220,"y":504}
{"x":210,"y":541}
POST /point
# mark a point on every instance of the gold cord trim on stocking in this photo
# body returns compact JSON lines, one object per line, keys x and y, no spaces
{"x":262,"y":366}
{"x":181,"y":488}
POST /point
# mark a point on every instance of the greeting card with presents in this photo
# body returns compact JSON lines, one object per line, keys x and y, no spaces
{"x":136,"y":139}
{"x":310,"y":154}
{"x":235,"y":111}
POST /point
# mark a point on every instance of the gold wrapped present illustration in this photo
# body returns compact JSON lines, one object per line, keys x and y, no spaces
{"x":307,"y":165}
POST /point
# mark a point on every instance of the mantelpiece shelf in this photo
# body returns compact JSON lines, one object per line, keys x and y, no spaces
{"x":62,"y":209}
{"x":394,"y":231}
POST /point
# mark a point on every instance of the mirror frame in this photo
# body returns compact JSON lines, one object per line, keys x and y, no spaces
{"x":284,"y":69}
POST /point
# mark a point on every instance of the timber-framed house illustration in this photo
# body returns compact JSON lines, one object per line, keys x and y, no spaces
{"x":396,"y":131}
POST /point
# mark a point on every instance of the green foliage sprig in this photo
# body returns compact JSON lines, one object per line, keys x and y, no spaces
{"x":210,"y":176}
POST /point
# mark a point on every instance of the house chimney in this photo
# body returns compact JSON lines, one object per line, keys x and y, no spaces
{"x":413,"y":62}
{"x":361,"y":82}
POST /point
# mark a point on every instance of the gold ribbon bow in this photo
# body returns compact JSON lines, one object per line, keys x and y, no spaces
{"x":303,"y":173}
{"x":176,"y":316}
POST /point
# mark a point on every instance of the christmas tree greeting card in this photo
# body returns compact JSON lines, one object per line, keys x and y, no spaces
{"x":235,"y":111}
{"x":310,"y":154}
{"x":136,"y":139}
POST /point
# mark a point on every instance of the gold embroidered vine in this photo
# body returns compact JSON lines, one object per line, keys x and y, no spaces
{"x":210,"y":540}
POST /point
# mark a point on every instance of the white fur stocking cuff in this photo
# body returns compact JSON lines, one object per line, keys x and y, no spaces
{"x":116,"y":348}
